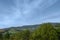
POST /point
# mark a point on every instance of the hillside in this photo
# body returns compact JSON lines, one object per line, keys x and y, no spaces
{"x":29,"y":27}
{"x":21,"y":32}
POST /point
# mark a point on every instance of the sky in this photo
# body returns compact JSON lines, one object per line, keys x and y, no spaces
{"x":28,"y":12}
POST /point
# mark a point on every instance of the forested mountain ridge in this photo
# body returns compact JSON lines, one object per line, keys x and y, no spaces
{"x":30,"y":27}
{"x":45,"y":31}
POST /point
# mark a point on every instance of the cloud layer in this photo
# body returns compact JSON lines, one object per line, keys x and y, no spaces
{"x":25,"y":12}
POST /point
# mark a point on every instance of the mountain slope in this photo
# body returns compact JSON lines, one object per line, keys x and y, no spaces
{"x":29,"y":27}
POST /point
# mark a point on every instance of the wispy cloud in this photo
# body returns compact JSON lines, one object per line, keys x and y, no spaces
{"x":23,"y":12}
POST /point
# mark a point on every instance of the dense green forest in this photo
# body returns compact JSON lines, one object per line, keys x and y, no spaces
{"x":45,"y":31}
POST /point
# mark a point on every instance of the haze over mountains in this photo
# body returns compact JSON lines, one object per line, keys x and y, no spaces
{"x":29,"y":27}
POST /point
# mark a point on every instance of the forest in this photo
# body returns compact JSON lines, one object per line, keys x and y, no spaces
{"x":45,"y":31}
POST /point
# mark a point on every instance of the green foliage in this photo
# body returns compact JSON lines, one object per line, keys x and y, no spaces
{"x":6,"y":36}
{"x":24,"y":35}
{"x":58,"y":25}
{"x":1,"y":37}
{"x":58,"y":31}
{"x":45,"y":32}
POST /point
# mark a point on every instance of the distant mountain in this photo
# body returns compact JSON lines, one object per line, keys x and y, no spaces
{"x":23,"y":27}
{"x":29,"y":27}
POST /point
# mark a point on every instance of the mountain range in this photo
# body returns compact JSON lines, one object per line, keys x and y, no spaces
{"x":29,"y":27}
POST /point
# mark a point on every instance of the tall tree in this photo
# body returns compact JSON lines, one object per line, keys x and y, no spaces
{"x":58,"y":31}
{"x":45,"y":32}
{"x":1,"y":36}
{"x":26,"y":34}
{"x":6,"y":36}
{"x":22,"y":35}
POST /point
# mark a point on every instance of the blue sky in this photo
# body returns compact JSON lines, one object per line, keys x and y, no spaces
{"x":28,"y":12}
